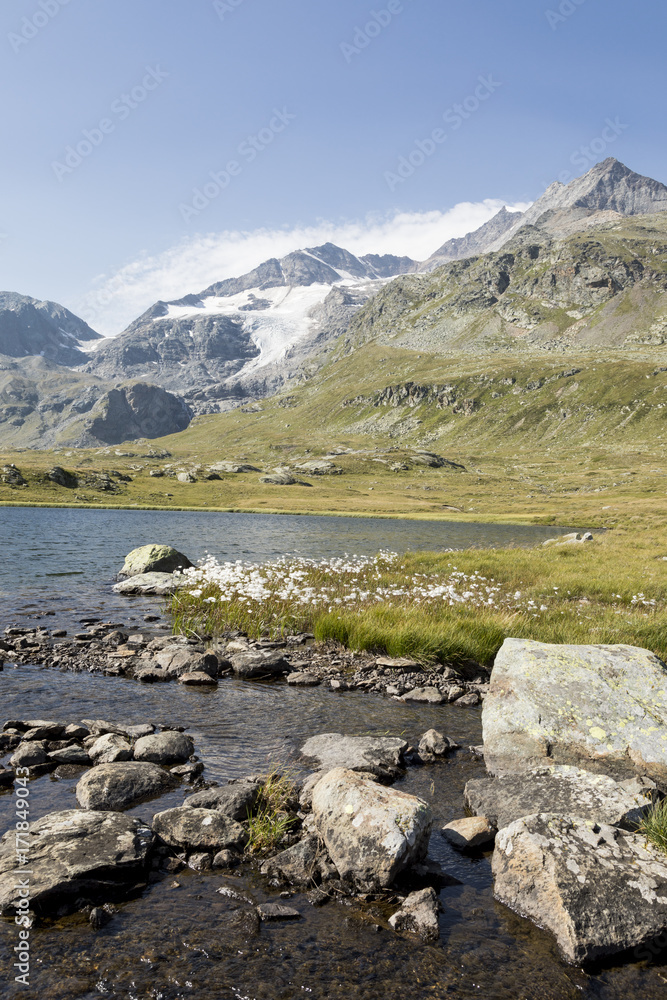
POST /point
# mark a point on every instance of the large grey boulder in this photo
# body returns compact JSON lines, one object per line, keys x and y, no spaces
{"x":379,"y":755}
{"x":563,"y":789}
{"x":259,"y":663}
{"x":597,"y":889}
{"x":74,"y":854}
{"x":235,"y":801}
{"x":158,"y":584}
{"x":29,"y":754}
{"x":71,"y":755}
{"x":153,"y":559}
{"x":198,"y":829}
{"x":118,"y":786}
{"x":164,"y":748}
{"x":371,"y":832}
{"x":574,"y":704}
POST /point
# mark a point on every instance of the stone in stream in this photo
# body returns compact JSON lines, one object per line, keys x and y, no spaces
{"x":198,"y":829}
{"x":276,"y":911}
{"x":606,"y":705}
{"x":301,"y":678}
{"x":151,"y":674}
{"x":109,"y":748}
{"x":153,"y":559}
{"x":419,"y":915}
{"x":164,"y":748}
{"x":235,"y":801}
{"x":371,"y":832}
{"x":118,"y":786}
{"x":470,"y":833}
{"x":599,"y":890}
{"x":299,"y":863}
{"x":380,"y":755}
{"x":157,"y":584}
{"x":562,"y":789}
{"x":434,"y":744}
{"x":75,"y":854}
{"x":430,"y":695}
{"x":29,"y":755}
{"x":177,"y":660}
{"x":259,"y":663}
{"x":197,"y":678}
{"x":71,"y":755}
{"x":6,"y":777}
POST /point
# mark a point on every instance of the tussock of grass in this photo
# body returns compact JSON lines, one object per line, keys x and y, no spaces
{"x":272,"y":819}
{"x":654,"y":825}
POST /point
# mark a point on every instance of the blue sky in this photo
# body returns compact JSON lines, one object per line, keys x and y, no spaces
{"x":329,"y":96}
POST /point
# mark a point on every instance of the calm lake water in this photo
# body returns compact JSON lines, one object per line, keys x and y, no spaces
{"x":181,"y":937}
{"x":66,"y":560}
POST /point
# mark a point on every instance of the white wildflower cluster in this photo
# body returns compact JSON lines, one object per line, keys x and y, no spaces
{"x":347,"y":582}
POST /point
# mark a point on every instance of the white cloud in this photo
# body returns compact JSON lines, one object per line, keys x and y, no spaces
{"x":116,"y":299}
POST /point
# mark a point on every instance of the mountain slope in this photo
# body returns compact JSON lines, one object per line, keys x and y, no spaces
{"x":606,"y":286}
{"x":242,"y":338}
{"x":43,"y":404}
{"x":31,"y":327}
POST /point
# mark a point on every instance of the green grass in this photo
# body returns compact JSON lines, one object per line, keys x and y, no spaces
{"x":654,"y":825}
{"x":612,"y":590}
{"x":271,"y":820}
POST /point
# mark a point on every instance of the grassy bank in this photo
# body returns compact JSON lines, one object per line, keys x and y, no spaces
{"x":445,"y":607}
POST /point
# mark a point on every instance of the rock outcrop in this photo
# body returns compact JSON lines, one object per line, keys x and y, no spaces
{"x":599,"y":890}
{"x":601,"y":707}
{"x":119,"y":786}
{"x":75,"y":854}
{"x":563,"y":789}
{"x":372,"y":833}
{"x":153,"y":559}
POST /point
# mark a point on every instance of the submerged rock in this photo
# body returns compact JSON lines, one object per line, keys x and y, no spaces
{"x":563,"y":789}
{"x":153,"y":559}
{"x":118,"y":786}
{"x":276,"y":911}
{"x":74,"y":854}
{"x":371,"y":832}
{"x":575,"y":704}
{"x":418,"y":914}
{"x":597,"y":889}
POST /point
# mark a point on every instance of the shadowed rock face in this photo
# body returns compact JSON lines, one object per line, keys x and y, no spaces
{"x":599,"y":890}
{"x":28,"y":326}
{"x":602,"y":707}
{"x":75,"y":854}
{"x":138,"y":410}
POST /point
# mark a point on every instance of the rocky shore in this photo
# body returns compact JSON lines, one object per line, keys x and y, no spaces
{"x":112,"y":649}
